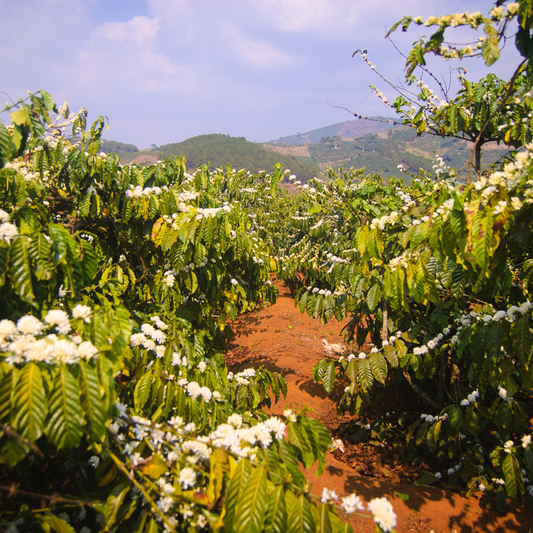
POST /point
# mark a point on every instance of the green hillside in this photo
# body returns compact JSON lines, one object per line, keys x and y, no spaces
{"x":383,"y":152}
{"x":379,"y":152}
{"x":116,"y":147}
{"x":346,"y":129}
{"x":222,"y":150}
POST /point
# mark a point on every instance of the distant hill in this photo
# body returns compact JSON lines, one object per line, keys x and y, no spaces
{"x":382,"y":152}
{"x":332,"y":146}
{"x":222,"y":150}
{"x":116,"y":147}
{"x":346,"y":130}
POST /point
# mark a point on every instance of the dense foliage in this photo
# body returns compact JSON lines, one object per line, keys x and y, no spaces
{"x":118,"y":283}
{"x":222,"y":150}
{"x":116,"y":147}
{"x":398,"y":150}
{"x":117,"y":411}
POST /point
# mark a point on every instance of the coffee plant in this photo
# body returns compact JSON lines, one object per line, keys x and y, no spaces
{"x":117,"y":288}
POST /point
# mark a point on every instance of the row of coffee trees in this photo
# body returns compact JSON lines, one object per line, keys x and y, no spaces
{"x":117,"y":411}
{"x":117,"y":286}
{"x":436,"y":277}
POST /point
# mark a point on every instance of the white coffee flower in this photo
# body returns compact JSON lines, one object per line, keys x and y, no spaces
{"x":352,"y":503}
{"x":87,"y":350}
{"x":382,"y":513}
{"x":83,"y":312}
{"x":328,"y":495}
{"x":29,"y":325}
{"x":8,"y":231}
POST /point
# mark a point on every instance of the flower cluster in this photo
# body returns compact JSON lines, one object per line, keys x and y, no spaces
{"x":242,"y":378}
{"x":381,"y":508}
{"x":138,"y":191}
{"x":432,"y":419}
{"x":471,"y":398}
{"x":384,"y":220}
{"x":28,"y":341}
{"x":149,"y":336}
{"x":8,"y":231}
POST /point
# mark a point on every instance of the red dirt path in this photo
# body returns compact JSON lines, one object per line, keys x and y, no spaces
{"x":287,"y":341}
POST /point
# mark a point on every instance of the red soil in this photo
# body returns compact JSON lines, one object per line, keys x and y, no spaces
{"x":289,"y":342}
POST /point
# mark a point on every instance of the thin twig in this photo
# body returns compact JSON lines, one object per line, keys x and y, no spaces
{"x":13,"y":491}
{"x":418,"y":390}
{"x":145,"y":494}
{"x":427,"y":71}
{"x":12,"y":433}
{"x":493,"y":114}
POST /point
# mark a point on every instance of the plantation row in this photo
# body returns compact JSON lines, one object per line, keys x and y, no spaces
{"x":118,"y":285}
{"x":117,"y":410}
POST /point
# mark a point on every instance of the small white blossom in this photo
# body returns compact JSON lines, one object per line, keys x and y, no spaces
{"x":382,"y":513}
{"x":82,"y":311}
{"x":352,"y":503}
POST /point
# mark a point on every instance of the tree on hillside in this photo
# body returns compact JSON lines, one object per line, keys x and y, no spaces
{"x":489,"y":110}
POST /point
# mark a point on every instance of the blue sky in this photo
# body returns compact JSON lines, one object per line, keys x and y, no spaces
{"x":166,"y":70}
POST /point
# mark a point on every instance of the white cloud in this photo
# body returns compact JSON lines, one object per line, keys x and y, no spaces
{"x":254,"y":52}
{"x":173,"y":11}
{"x":142,"y":30}
{"x":322,"y":16}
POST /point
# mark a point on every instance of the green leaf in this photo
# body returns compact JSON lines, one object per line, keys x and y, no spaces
{"x":345,"y":528}
{"x":7,"y":147}
{"x":412,"y":430}
{"x":324,"y":523}
{"x":40,"y":250}
{"x":522,"y":342}
{"x":64,"y":428}
{"x":21,"y":117}
{"x":50,"y":522}
{"x":514,"y":484}
{"x":364,"y":373}
{"x":288,"y":455}
{"x":300,"y":440}
{"x":301,"y":518}
{"x":93,"y":409}
{"x":142,"y":391}
{"x":378,"y":366}
{"x":319,"y":369}
{"x":402,"y":496}
{"x":490,"y":50}
{"x":528,"y":459}
{"x":416,"y":282}
{"x":392,"y":357}
{"x":114,"y":502}
{"x":252,"y":508}
{"x":276,"y":518}
{"x":155,"y":467}
{"x":20,"y":269}
{"x":351,"y":370}
{"x":324,"y":437}
{"x":233,"y":494}
{"x":7,"y":390}
{"x":328,"y":377}
{"x":455,"y":417}
{"x":373,"y":296}
{"x":433,"y":435}
{"x":482,"y":236}
{"x":30,"y":403}
{"x":229,"y":309}
{"x":85,"y":205}
{"x":422,"y":433}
